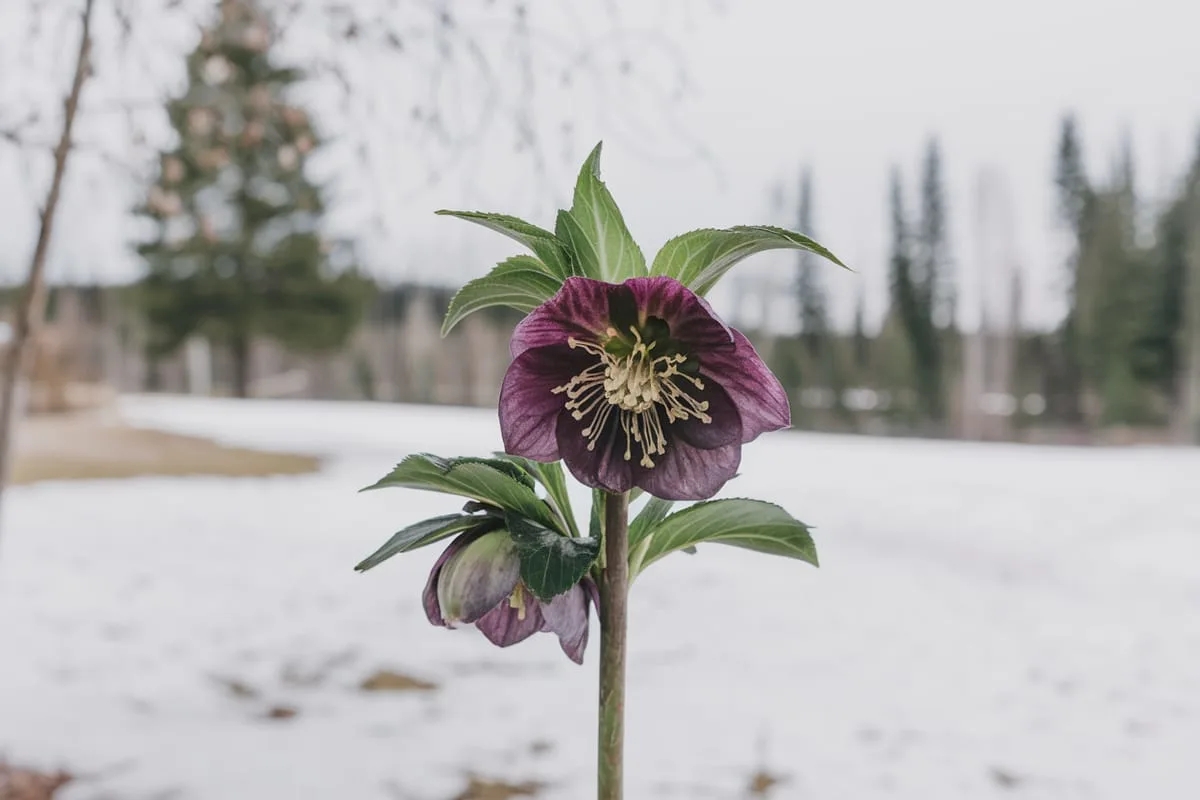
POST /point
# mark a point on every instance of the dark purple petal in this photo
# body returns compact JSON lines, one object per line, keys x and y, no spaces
{"x":757,"y":393}
{"x":504,"y":626}
{"x":685,"y":472}
{"x":429,"y":599}
{"x":567,"y":616}
{"x":478,"y":577}
{"x":725,"y":427}
{"x":691,"y":320}
{"x":579,"y":309}
{"x":601,"y":468}
{"x":528,"y":405}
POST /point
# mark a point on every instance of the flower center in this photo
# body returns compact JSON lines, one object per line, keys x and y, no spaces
{"x":636,"y":386}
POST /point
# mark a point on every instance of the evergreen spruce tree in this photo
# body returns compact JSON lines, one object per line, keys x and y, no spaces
{"x":933,"y":277}
{"x":1108,"y":317}
{"x":819,"y":345}
{"x":1161,"y":350}
{"x":1114,"y":299}
{"x":1076,"y":206}
{"x":936,"y":286}
{"x":1163,"y":347}
{"x":862,"y":343}
{"x":1188,"y":371}
{"x":1070,"y":176}
{"x":910,"y":295}
{"x":810,"y":295}
{"x":237,"y":251}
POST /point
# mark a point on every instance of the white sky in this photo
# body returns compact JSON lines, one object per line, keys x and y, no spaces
{"x":851,"y":88}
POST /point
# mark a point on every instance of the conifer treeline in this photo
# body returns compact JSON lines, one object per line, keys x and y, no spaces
{"x":1127,"y":352}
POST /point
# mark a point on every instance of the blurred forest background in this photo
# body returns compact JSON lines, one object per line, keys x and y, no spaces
{"x":243,"y":289}
{"x":234,"y":198}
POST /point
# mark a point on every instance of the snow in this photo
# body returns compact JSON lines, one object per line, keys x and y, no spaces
{"x":988,"y":620}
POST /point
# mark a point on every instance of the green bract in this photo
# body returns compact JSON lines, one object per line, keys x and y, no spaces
{"x":751,"y":524}
{"x":550,"y":562}
{"x":591,"y":240}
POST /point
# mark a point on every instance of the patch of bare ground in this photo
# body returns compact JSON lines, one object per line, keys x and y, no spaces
{"x":762,"y":783}
{"x":481,"y":789}
{"x":389,"y":681}
{"x":88,"y":446}
{"x":17,"y":783}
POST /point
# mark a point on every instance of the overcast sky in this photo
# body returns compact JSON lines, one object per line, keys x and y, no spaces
{"x":850,"y":88}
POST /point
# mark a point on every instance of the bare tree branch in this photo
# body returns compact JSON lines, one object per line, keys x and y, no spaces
{"x":32,"y":306}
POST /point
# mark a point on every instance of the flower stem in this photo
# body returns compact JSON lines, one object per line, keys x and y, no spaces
{"x":614,"y":592}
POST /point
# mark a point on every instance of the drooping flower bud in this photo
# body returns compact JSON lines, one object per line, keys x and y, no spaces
{"x":477,"y":581}
{"x":477,"y":577}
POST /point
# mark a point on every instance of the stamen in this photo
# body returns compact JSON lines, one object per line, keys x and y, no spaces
{"x":637,"y":387}
{"x":517,"y":600}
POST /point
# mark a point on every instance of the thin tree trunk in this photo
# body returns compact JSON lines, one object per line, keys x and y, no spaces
{"x":32,"y":304}
{"x":153,"y":380}
{"x":1190,"y":379}
{"x":239,"y":351}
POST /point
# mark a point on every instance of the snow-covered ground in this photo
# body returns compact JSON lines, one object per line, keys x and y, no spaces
{"x":989,"y":620}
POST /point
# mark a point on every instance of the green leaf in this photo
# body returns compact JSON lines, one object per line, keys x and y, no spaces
{"x":426,"y":532}
{"x":686,"y":254}
{"x":491,"y":480}
{"x":751,"y":524}
{"x":514,"y":471}
{"x":518,"y":282}
{"x":540,"y":241}
{"x":595,"y":230}
{"x":639,"y":529}
{"x":698,"y":259}
{"x":551,"y":563}
{"x":656,"y":511}
{"x":596,"y":520}
{"x":554,"y":480}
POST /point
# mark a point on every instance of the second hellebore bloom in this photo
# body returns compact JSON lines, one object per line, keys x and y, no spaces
{"x":477,"y":580}
{"x":636,"y":384}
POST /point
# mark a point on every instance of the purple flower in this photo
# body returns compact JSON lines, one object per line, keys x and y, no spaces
{"x":477,"y":581}
{"x":636,"y":384}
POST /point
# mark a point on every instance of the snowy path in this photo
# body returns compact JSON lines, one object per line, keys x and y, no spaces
{"x":989,"y":621}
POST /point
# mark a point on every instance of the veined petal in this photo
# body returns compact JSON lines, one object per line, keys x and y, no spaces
{"x":686,"y":472}
{"x":691,"y":320}
{"x":725,"y":427}
{"x":592,"y":591}
{"x":478,"y":577}
{"x":567,"y":616}
{"x":581,"y":309}
{"x":760,"y":399}
{"x":602,"y":467}
{"x":429,"y":599}
{"x":506,"y":625}
{"x":529,"y":407}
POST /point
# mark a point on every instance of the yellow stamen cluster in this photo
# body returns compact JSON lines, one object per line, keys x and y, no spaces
{"x":634,"y":387}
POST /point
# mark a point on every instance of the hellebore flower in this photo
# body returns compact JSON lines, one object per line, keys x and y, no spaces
{"x":477,"y":581}
{"x":636,"y":384}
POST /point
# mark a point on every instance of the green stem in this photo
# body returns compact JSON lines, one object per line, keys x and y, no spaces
{"x":614,"y":593}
